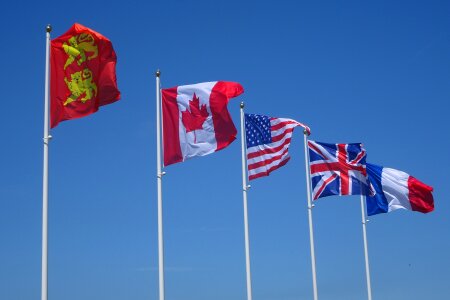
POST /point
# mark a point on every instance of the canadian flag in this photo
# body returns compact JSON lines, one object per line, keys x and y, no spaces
{"x":196,"y":121}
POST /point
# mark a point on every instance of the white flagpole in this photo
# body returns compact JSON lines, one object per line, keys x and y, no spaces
{"x":159,"y":175}
{"x":47,"y":137}
{"x":366,"y":251}
{"x":245,"y":187}
{"x":310,"y":207}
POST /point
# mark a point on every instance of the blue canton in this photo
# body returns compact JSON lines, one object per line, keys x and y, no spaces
{"x":257,"y":130}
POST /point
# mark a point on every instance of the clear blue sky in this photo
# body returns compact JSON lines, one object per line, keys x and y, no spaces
{"x":377,"y":73}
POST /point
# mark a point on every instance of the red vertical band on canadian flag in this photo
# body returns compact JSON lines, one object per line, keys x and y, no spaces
{"x":171,"y":119}
{"x":196,"y":121}
{"x":223,"y":124}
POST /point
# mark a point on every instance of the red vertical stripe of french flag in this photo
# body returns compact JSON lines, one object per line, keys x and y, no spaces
{"x":196,"y":121}
{"x":420,"y":195}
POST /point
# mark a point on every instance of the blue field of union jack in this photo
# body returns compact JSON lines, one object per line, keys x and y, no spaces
{"x":337,"y":169}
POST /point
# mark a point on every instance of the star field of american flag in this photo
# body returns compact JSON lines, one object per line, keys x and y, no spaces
{"x":257,"y":129}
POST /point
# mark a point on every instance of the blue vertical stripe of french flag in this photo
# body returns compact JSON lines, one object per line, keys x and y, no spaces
{"x":397,"y":190}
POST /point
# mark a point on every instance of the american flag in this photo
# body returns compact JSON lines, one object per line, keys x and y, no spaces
{"x":338,"y":169}
{"x":268,"y":141}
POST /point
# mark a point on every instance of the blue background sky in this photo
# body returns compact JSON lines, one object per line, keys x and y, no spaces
{"x":376,"y":73}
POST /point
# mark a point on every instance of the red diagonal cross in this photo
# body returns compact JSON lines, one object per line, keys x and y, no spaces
{"x":342,"y":166}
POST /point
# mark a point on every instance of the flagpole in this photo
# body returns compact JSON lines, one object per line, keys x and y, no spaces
{"x":47,"y":137}
{"x":159,"y":175}
{"x":310,"y":207}
{"x":245,"y":187}
{"x":366,"y":251}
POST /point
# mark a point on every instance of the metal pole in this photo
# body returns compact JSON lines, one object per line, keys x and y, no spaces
{"x":47,"y":137}
{"x":159,"y":175}
{"x":366,"y":251}
{"x":245,"y":187}
{"x":310,"y":207}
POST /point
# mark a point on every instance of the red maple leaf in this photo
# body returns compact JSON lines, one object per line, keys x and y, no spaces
{"x":194,"y":117}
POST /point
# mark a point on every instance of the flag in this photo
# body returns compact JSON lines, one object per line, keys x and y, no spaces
{"x":337,"y":169}
{"x":83,"y":74}
{"x":268,"y":141}
{"x":196,"y":121}
{"x":397,"y":190}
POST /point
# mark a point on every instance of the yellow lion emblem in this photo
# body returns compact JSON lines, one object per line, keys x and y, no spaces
{"x":77,"y":47}
{"x":81,"y":83}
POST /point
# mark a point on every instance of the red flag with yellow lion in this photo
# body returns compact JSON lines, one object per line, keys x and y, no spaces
{"x":83,"y":74}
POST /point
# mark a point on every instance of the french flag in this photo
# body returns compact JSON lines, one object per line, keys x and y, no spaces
{"x":397,"y":190}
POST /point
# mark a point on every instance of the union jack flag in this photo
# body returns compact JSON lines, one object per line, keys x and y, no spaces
{"x":338,"y":169}
{"x":268,"y":141}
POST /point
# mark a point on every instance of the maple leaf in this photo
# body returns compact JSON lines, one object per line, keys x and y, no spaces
{"x":194,"y":117}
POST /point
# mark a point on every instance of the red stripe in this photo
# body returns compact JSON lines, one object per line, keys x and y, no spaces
{"x":287,"y":122}
{"x":282,"y":124}
{"x":223,"y":124}
{"x":171,"y":120}
{"x":334,"y":166}
{"x":420,"y":196}
{"x":268,"y":150}
{"x":266,"y":173}
{"x":282,"y":135}
{"x":342,"y":157}
{"x":267,"y":161}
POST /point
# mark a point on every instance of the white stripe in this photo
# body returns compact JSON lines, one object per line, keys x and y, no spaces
{"x":267,"y":167}
{"x":280,"y":120}
{"x":275,"y":133}
{"x":395,"y":188}
{"x":266,"y":156}
{"x":276,"y":121}
{"x":267,"y":146}
{"x":282,"y":131}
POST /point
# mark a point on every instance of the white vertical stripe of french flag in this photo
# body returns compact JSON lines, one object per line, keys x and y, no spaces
{"x":403,"y":191}
{"x":395,"y":188}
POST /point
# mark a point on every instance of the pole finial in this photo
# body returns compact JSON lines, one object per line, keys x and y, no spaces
{"x":158,"y":73}
{"x":48,"y":28}
{"x":242,"y":104}
{"x":306,"y":132}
